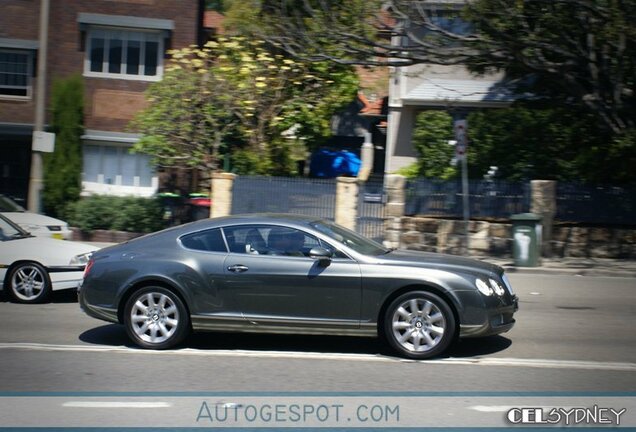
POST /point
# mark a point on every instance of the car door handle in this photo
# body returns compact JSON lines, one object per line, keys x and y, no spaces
{"x":238,"y":268}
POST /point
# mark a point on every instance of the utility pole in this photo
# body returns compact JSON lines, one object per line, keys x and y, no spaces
{"x":461,"y":149}
{"x":35,"y":177}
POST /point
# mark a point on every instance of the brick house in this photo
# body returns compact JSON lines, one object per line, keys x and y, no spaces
{"x":119,"y":47}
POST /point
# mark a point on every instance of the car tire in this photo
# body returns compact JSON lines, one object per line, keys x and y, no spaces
{"x":156,"y":318}
{"x":29,"y":282}
{"x":419,"y":325}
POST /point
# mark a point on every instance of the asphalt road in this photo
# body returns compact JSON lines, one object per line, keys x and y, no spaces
{"x":573,"y":334}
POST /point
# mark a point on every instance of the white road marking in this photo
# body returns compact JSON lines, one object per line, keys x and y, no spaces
{"x":96,"y":404}
{"x":474,"y":361}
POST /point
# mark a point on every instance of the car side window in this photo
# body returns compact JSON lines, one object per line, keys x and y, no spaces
{"x":209,"y":241}
{"x":269,"y":240}
{"x":248,"y":239}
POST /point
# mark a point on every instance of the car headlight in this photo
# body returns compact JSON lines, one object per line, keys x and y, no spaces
{"x":496,"y":287}
{"x":81,"y":259}
{"x":483,"y":287}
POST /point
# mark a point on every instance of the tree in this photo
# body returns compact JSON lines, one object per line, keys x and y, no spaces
{"x":237,"y":89}
{"x":524,"y":143}
{"x":63,"y":168}
{"x":433,"y":130}
{"x":578,"y":52}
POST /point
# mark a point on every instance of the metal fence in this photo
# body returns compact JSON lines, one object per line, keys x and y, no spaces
{"x":371,"y":203}
{"x":259,"y":194}
{"x":494,"y":199}
{"x":608,"y":205}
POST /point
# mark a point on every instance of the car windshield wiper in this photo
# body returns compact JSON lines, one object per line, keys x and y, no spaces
{"x":19,"y":235}
{"x":388,"y":251}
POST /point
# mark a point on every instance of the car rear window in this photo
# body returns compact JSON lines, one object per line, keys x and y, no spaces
{"x":209,"y":241}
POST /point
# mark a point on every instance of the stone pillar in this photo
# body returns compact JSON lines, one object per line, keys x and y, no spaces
{"x":394,"y":186}
{"x":221,"y":192}
{"x":543,"y":203}
{"x":366,"y":154}
{"x":347,"y":191}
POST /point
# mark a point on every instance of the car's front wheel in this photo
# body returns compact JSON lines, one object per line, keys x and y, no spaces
{"x":419,"y":325}
{"x":29,"y":282}
{"x":156,"y":318}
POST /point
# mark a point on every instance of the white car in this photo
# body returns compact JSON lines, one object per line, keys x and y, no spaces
{"x":34,"y":223}
{"x":31,"y":267}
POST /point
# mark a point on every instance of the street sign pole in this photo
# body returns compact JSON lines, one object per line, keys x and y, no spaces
{"x":465,"y":201}
{"x":461,"y":149}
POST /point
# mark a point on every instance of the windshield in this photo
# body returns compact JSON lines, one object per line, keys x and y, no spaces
{"x":350,"y":238}
{"x":8,"y":205}
{"x":9,"y":231}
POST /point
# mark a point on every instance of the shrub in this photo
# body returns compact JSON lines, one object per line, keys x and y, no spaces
{"x":63,"y":167}
{"x":116,"y":213}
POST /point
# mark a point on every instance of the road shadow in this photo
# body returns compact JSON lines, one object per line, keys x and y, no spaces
{"x":115,"y":335}
{"x":475,"y":347}
{"x":107,"y":335}
{"x":57,"y":297}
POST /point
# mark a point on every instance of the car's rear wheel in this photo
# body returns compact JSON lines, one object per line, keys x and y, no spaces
{"x":156,"y":318}
{"x":29,"y":282}
{"x":419,"y":325}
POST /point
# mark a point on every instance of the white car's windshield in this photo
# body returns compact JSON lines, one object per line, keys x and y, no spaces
{"x":8,"y":231}
{"x":350,"y":238}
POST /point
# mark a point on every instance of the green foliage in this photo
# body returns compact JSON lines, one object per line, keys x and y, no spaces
{"x":410,"y":171}
{"x":433,"y":130}
{"x":527,"y":143}
{"x":580,"y":53}
{"x":116,"y":213}
{"x":237,"y":90}
{"x":63,"y":168}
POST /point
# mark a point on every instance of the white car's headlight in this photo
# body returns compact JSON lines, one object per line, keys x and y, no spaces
{"x":81,"y":259}
{"x":483,"y":287}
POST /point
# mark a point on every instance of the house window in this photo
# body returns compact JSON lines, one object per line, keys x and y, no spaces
{"x":115,"y":165}
{"x":15,"y":73}
{"x":124,"y":54}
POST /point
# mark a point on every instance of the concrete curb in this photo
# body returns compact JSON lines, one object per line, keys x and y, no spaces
{"x":591,"y":272}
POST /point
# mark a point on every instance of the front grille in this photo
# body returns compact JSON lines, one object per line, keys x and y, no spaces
{"x":54,"y":228}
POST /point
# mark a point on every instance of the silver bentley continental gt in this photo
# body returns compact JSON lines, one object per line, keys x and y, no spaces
{"x":292,"y":274}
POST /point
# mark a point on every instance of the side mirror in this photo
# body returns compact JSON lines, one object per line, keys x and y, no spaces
{"x":321,"y":254}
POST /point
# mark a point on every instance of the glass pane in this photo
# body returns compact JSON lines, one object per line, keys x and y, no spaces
{"x":111,"y":164}
{"x":114,"y":56}
{"x":211,"y":241}
{"x":91,"y":156}
{"x":146,"y":171}
{"x":128,"y":167}
{"x":152,"y":53}
{"x":97,"y":54}
{"x":133,"y":53}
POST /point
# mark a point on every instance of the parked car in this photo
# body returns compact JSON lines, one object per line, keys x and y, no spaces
{"x":31,"y":267}
{"x":292,"y":274}
{"x":34,"y":223}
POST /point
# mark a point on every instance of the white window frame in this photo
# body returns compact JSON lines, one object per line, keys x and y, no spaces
{"x":116,"y":186}
{"x":125,"y":35}
{"x":29,"y":73}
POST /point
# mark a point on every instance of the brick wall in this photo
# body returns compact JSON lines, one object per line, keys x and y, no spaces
{"x":19,"y":20}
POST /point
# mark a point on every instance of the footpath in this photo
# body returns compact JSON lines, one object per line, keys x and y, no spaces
{"x":573,"y":267}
